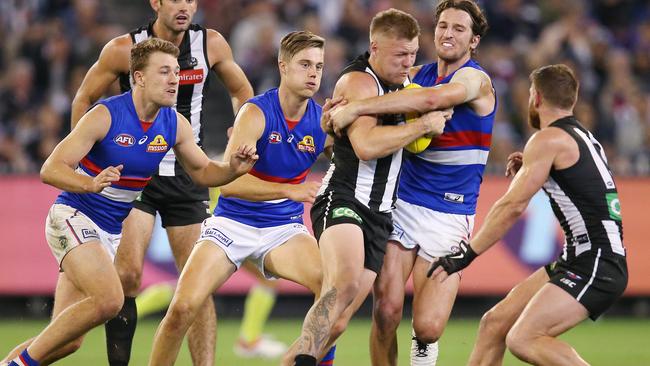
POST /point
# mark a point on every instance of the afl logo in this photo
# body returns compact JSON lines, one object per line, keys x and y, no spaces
{"x":275,"y":138}
{"x":124,"y":140}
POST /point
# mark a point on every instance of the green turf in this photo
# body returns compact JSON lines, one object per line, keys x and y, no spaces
{"x":607,"y":342}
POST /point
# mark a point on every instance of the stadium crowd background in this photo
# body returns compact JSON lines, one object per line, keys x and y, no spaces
{"x":46,"y":47}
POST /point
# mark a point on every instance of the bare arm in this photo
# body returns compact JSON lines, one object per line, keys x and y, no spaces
{"x":369,"y":140}
{"x":328,"y":151}
{"x":113,"y":60}
{"x":58,"y":169}
{"x":229,"y":72}
{"x":203,"y":170}
{"x":467,"y":85}
{"x":249,"y":126}
{"x":538,"y":158}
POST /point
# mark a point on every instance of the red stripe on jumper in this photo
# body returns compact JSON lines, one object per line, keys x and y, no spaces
{"x":464,"y":138}
{"x":270,"y":178}
{"x":128,"y":182}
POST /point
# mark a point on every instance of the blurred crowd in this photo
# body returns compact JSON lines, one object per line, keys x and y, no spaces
{"x":46,"y":47}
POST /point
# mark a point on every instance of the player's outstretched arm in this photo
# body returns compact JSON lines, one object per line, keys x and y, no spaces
{"x":467,"y":84}
{"x":223,"y":63}
{"x":58,"y":169}
{"x":203,"y":170}
{"x":112,"y":61}
{"x":369,"y":140}
{"x":539,"y":154}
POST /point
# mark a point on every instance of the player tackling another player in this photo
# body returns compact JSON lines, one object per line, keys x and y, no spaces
{"x":352,"y":213}
{"x":439,"y":186}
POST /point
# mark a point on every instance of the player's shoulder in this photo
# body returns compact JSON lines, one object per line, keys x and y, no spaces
{"x":470,"y":71}
{"x":122,"y":43}
{"x":549,"y":139}
{"x":117,"y":52}
{"x":215,"y":38}
{"x":356,"y":85}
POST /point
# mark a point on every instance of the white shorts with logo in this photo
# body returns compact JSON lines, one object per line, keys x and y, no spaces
{"x":241,"y":241}
{"x":66,"y":228}
{"x":435,"y":233}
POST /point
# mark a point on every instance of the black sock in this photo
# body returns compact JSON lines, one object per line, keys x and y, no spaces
{"x":119,"y":333}
{"x":304,"y":360}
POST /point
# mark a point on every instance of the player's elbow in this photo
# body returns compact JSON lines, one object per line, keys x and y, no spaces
{"x":366,"y":152}
{"x":431,"y":102}
{"x":515,"y":207}
{"x":227,"y":191}
{"x":46,"y":173}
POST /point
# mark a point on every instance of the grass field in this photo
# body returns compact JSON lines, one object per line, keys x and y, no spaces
{"x":621,"y":342}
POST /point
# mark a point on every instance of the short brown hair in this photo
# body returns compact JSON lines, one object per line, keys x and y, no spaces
{"x":297,"y":41}
{"x":479,"y":21}
{"x":141,"y":52}
{"x":557,"y":84}
{"x":395,"y":23}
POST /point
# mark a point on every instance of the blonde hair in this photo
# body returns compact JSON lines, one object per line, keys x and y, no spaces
{"x":394,"y":23}
{"x":141,"y":52}
{"x":297,"y":41}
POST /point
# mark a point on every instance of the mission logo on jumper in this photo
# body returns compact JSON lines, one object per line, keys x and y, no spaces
{"x":158,"y":144}
{"x":275,"y":138}
{"x":124,"y":139}
{"x":218,"y":236}
{"x":307,"y":145}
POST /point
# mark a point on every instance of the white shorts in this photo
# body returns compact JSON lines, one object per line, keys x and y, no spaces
{"x":66,"y":228}
{"x":241,"y":241}
{"x":435,"y":233}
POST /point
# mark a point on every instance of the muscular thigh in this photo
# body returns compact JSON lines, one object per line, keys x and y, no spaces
{"x":297,"y":260}
{"x":136,"y":234}
{"x":66,"y":294}
{"x":182,"y":240}
{"x":391,"y":281}
{"x":511,"y":307}
{"x":552,"y":311}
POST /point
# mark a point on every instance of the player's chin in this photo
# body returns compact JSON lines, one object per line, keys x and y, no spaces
{"x":168,"y":101}
{"x":308,"y":92}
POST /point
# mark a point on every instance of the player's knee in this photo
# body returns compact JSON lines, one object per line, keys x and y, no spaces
{"x":346,"y":292}
{"x":428,"y":330}
{"x":73,"y":346}
{"x":131,"y":279}
{"x":339,"y":327}
{"x":180,"y":314}
{"x":107,"y":307}
{"x":494,"y":323}
{"x":518,"y":343}
{"x":387,"y":314}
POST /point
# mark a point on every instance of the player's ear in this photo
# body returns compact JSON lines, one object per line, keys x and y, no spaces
{"x":138,"y":78}
{"x":282,"y":66}
{"x":473,"y":43}
{"x":155,"y":4}
{"x":373,"y":47}
{"x":537,"y":98}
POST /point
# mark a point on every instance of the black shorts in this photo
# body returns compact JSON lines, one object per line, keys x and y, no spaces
{"x":177,"y":199}
{"x":329,"y":210}
{"x":595,"y":281}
